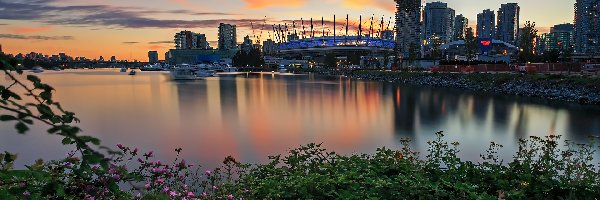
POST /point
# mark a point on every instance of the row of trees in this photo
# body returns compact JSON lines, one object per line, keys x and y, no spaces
{"x":251,"y":58}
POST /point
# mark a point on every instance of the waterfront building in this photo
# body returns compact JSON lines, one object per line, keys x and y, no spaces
{"x":587,"y":27}
{"x":197,"y":56}
{"x":438,"y":23}
{"x":408,"y":27}
{"x":541,"y":42}
{"x":1,"y":52}
{"x":185,"y":40}
{"x":113,"y":59}
{"x":269,"y":47}
{"x":560,"y":37}
{"x":227,"y":36}
{"x":191,"y":40}
{"x":508,"y":23}
{"x":247,"y":44}
{"x":461,"y":23}
{"x":152,"y":56}
{"x":486,"y":25}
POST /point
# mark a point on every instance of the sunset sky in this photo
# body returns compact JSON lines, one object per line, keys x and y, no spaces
{"x":128,"y":29}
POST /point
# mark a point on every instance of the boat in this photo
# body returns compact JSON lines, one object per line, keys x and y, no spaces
{"x":183,"y":72}
{"x":191,"y":72}
{"x":37,"y":70}
{"x":123,"y":69}
{"x":282,"y":69}
{"x":155,"y":67}
{"x":132,"y":72}
{"x":56,"y":68}
{"x":205,"y":72}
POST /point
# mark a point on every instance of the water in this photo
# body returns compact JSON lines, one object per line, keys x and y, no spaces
{"x":251,"y":116}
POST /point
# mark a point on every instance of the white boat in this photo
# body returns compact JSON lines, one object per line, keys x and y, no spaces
{"x":132,"y":72}
{"x":155,"y":67}
{"x":37,"y":70}
{"x":282,"y":69}
{"x":183,"y":72}
{"x":191,"y":72}
{"x":205,"y":72}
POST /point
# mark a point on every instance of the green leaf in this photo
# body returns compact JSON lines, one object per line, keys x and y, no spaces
{"x":93,"y":140}
{"x":67,"y":141}
{"x":33,"y":78}
{"x":7,"y":118}
{"x":21,"y":127}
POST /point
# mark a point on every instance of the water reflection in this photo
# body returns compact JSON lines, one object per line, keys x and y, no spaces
{"x":253,"y":115}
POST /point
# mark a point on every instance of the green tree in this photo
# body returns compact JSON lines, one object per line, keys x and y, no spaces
{"x":330,"y":60}
{"x":526,"y":42}
{"x":471,"y":45}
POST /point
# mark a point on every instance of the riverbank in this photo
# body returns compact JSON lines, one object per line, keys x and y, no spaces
{"x":577,"y":89}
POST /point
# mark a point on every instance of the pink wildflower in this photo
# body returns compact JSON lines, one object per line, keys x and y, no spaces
{"x":230,"y":197}
{"x":190,"y":194}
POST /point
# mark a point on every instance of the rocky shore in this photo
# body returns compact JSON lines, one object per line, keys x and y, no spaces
{"x":578,"y":89}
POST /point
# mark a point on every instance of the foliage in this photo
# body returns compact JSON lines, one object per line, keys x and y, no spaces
{"x":252,"y":58}
{"x":527,"y":38}
{"x":330,"y":60}
{"x":471,"y":44}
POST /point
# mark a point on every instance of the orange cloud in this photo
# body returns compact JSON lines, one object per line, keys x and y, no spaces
{"x":258,"y":4}
{"x":31,"y":29}
{"x":382,"y":4}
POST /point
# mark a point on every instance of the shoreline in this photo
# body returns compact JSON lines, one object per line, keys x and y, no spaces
{"x":558,"y":88}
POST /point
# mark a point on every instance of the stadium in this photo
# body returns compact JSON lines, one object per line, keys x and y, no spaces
{"x":367,"y":51}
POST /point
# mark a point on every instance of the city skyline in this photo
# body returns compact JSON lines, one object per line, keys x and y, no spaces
{"x":128,"y":30}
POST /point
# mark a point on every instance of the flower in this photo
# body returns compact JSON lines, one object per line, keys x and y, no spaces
{"x":134,"y":151}
{"x":147,"y":185}
{"x":120,"y":146}
{"x":26,"y":193}
{"x":230,"y":197}
{"x":172,"y":194}
{"x":68,"y":164}
{"x":207,"y":172}
{"x":204,"y":194}
{"x":159,"y":180}
{"x":91,"y":198}
{"x":190,"y":194}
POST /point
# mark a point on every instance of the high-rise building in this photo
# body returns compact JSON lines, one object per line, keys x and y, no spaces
{"x":201,"y":42}
{"x":486,"y":24}
{"x":113,"y":59}
{"x":408,"y":27}
{"x":269,"y":47}
{"x":560,"y":37}
{"x":508,"y":23}
{"x":227,"y":36}
{"x":152,"y":56}
{"x":438,"y":22}
{"x":185,"y":40}
{"x":387,"y":35}
{"x":191,"y":40}
{"x":461,"y":23}
{"x":541,"y":42}
{"x":247,"y":45}
{"x":587,"y":27}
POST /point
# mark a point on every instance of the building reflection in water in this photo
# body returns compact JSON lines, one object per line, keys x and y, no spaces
{"x":254,"y":115}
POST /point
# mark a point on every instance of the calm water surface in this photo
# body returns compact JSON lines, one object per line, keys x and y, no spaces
{"x":251,"y":116}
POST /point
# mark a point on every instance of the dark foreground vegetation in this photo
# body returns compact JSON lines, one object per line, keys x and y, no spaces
{"x":542,"y":168}
{"x":556,"y":87}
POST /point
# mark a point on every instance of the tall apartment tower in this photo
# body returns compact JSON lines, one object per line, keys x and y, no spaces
{"x":508,"y":23}
{"x":408,"y":27}
{"x":152,"y":56}
{"x":486,"y":24}
{"x":461,"y":23}
{"x":227,"y":36}
{"x":587,"y":27}
{"x":438,"y":22}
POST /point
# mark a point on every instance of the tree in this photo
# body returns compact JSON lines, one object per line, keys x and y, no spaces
{"x":330,"y":60}
{"x":412,"y":53}
{"x":252,"y":58}
{"x":471,"y":45}
{"x":526,"y":42}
